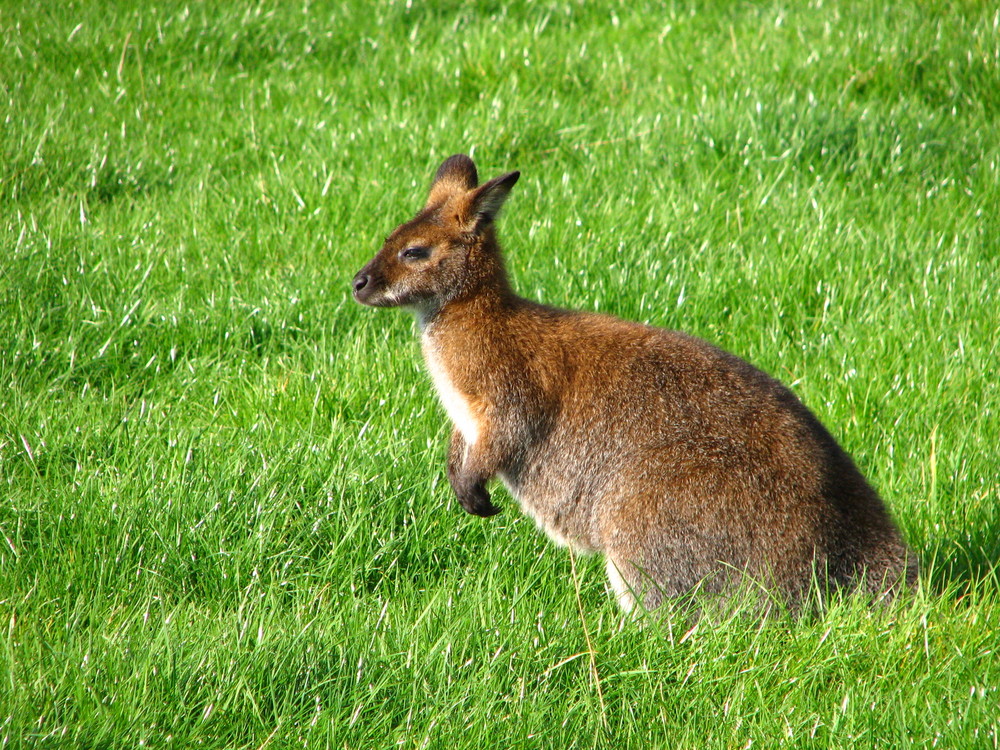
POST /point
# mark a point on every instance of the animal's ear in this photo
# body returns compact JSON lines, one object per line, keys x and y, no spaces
{"x":484,"y":202}
{"x":456,"y":175}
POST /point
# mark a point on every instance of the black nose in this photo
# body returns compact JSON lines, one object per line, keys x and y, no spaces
{"x":360,"y":282}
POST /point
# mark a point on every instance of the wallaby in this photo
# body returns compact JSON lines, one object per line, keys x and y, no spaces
{"x":683,"y":464}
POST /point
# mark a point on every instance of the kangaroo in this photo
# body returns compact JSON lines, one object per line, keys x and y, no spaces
{"x":684,"y":465}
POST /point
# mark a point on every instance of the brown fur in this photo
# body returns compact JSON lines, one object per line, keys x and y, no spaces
{"x":682,"y":463}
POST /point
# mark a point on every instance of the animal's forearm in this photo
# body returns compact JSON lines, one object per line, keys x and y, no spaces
{"x":469,"y":468}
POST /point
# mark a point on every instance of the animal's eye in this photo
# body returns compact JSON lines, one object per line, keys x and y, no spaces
{"x":415,"y":253}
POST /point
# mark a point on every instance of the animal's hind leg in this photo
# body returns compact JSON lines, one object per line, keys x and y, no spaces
{"x":632,"y":585}
{"x":651,"y":556}
{"x":622,"y":591}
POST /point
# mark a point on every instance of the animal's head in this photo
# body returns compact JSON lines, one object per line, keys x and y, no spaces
{"x":447,"y":251}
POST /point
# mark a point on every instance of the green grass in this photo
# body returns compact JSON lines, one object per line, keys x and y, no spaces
{"x":223,"y":514}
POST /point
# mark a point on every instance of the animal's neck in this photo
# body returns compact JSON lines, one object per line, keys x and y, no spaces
{"x":484,"y":296}
{"x":479,"y":315}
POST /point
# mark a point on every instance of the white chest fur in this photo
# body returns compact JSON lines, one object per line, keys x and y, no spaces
{"x":455,"y":403}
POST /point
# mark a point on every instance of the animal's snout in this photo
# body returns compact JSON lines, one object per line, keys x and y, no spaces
{"x":360,"y":281}
{"x":368,"y":287}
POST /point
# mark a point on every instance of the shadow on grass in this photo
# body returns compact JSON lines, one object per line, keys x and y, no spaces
{"x":964,"y":564}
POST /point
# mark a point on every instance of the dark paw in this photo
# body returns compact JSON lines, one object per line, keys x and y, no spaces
{"x":477,"y":502}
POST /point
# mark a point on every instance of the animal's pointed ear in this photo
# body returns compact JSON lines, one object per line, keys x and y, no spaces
{"x":456,"y":175}
{"x":484,"y":202}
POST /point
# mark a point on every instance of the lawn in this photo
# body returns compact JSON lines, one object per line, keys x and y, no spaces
{"x":224,"y":520}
